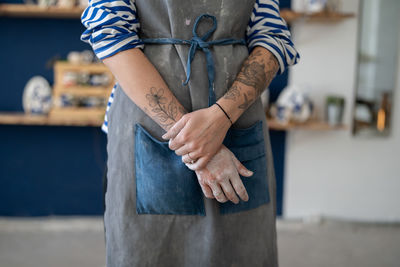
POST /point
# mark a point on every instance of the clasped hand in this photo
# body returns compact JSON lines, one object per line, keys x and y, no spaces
{"x":198,"y":137}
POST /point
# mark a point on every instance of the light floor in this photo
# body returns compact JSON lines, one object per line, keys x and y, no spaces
{"x":70,"y":242}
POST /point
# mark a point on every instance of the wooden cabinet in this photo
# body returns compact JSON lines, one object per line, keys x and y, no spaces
{"x":67,"y":86}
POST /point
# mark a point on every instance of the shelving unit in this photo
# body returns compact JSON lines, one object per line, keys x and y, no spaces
{"x":60,"y":70}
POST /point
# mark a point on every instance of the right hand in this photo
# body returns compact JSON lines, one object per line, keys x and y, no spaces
{"x":220,"y":178}
{"x":199,"y":133}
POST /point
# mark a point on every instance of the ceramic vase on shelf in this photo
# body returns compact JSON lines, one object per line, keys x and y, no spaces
{"x":334,"y":110}
{"x":293,"y":105}
{"x":37,"y":97}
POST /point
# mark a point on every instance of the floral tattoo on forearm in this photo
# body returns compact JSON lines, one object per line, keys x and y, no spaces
{"x":166,"y":111}
{"x":257,"y":73}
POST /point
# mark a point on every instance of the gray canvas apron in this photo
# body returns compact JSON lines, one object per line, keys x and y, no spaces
{"x":156,"y":214}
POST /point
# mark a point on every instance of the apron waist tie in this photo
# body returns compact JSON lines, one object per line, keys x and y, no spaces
{"x":200,"y":43}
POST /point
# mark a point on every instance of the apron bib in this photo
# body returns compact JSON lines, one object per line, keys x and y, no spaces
{"x":196,"y":50}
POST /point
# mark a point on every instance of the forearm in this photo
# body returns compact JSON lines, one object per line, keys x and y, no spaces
{"x":143,"y":84}
{"x":256,"y":74}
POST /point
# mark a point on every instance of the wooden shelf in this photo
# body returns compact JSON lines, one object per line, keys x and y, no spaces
{"x":312,"y":125}
{"x":19,"y":118}
{"x":25,"y":10}
{"x":80,"y":113}
{"x":291,"y":16}
{"x":85,"y":90}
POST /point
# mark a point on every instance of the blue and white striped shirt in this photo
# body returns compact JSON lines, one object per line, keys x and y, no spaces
{"x":112,"y":26}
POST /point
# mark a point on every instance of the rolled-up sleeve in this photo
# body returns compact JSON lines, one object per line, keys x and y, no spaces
{"x":266,"y":28}
{"x":111,"y":26}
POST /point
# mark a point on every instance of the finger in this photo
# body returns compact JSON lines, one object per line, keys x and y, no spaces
{"x":173,"y":144}
{"x":186,"y":159}
{"x":183,"y":150}
{"x":217,"y":192}
{"x":206,"y":190}
{"x":241,"y":168}
{"x":174,"y":130}
{"x":239,"y":188}
{"x":229,"y":192}
{"x":199,"y":164}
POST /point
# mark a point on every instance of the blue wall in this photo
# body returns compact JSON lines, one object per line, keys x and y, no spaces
{"x":51,"y":170}
{"x":58,"y":170}
{"x":44,"y":170}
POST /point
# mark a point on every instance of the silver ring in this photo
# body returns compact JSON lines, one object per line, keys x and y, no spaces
{"x":191,"y":160}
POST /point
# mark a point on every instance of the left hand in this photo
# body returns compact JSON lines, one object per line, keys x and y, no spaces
{"x":220,"y":178}
{"x":199,"y":133}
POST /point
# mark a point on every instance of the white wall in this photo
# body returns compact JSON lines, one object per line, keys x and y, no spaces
{"x":332,"y":173}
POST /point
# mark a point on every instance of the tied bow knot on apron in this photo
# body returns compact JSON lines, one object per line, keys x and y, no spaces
{"x":197,"y":43}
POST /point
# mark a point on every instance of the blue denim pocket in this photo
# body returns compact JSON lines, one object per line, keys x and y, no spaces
{"x":249,"y":148}
{"x":164,"y":185}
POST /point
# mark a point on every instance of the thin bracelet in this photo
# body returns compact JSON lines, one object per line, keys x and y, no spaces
{"x":224,"y":112}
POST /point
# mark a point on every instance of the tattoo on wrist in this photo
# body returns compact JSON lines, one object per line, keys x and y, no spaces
{"x":233,"y":93}
{"x":166,"y":111}
{"x":248,"y":100}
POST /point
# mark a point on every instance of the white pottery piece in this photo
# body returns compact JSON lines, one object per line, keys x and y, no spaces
{"x":37,"y":96}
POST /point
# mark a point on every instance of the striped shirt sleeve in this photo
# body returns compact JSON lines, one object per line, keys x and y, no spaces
{"x":111,"y":26}
{"x":266,"y":28}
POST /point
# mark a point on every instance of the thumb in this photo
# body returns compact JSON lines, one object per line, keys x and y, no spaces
{"x":241,"y":168}
{"x":174,"y":130}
